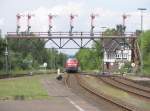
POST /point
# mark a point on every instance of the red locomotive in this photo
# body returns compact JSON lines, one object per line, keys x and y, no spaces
{"x":72,"y":65}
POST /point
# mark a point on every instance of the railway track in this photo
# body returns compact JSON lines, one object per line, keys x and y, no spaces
{"x":127,"y":86}
{"x":125,"y":106}
{"x":130,"y":83}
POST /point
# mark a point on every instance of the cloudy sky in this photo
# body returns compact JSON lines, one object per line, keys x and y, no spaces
{"x":109,"y":12}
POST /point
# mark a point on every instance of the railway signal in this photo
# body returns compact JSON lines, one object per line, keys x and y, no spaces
{"x":18,"y":16}
{"x":50,"y":17}
{"x":125,"y":16}
{"x":122,"y":27}
{"x":29,"y":16}
{"x":93,"y":16}
{"x":71,"y":23}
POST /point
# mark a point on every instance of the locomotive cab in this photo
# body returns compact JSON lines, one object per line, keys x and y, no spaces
{"x":72,"y":65}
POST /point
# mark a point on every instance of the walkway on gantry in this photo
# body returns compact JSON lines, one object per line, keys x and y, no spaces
{"x":57,"y":37}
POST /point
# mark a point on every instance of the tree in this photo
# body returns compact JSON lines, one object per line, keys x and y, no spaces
{"x":120,"y":29}
{"x":2,"y":46}
{"x":110,"y":32}
{"x":23,"y":51}
{"x":90,"y":59}
{"x":144,"y":43}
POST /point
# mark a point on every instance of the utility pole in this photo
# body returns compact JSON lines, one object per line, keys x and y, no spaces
{"x":103,"y":64}
{"x":52,"y":60}
{"x":124,"y":17}
{"x":141,"y":11}
{"x":103,"y":49}
{"x":6,"y":57}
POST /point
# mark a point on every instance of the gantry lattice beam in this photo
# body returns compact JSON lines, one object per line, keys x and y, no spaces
{"x":76,"y":37}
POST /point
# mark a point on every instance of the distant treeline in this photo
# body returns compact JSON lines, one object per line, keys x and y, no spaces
{"x":30,"y":54}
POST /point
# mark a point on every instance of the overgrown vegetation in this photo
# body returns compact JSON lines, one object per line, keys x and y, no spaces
{"x":144,"y":42}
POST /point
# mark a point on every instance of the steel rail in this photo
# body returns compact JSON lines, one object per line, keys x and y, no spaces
{"x":115,"y":101}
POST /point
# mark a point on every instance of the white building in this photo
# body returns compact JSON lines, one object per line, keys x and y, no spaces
{"x":116,"y":52}
{"x":117,"y":56}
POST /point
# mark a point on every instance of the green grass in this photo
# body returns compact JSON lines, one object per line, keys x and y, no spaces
{"x":22,"y":88}
{"x":19,"y":72}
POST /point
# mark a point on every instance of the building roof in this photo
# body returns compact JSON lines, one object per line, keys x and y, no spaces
{"x":111,"y":45}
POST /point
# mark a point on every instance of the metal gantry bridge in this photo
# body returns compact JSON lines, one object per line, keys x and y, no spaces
{"x":78,"y":38}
